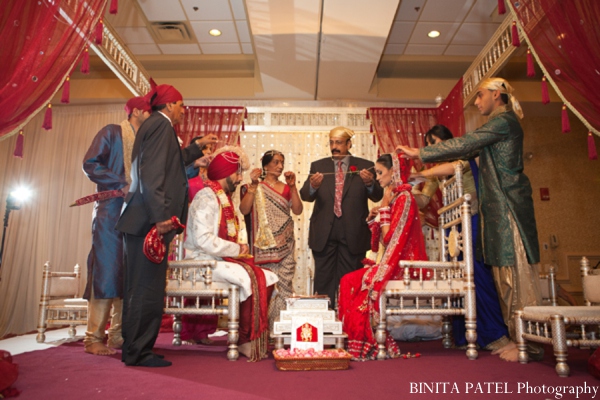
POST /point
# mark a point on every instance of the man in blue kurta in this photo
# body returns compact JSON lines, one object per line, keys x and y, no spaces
{"x":107,"y":163}
{"x":508,"y":233}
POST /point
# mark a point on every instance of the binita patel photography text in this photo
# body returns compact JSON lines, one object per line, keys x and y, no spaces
{"x":555,"y":391}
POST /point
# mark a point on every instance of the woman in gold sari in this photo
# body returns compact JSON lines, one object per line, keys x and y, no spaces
{"x":267,"y":202}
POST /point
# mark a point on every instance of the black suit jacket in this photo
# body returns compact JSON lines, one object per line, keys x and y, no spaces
{"x":354,"y":205}
{"x":159,"y":187}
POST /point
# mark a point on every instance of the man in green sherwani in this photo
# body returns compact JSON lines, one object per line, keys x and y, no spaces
{"x":509,"y":239}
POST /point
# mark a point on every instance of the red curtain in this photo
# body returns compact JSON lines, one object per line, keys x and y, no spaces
{"x":41,"y":42}
{"x":565,"y":36}
{"x":225,"y":122}
{"x":451,"y":111}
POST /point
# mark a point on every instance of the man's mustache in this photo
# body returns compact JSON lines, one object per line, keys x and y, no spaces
{"x":335,"y":151}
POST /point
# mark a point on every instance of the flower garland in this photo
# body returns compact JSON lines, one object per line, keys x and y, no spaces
{"x":227,"y":210}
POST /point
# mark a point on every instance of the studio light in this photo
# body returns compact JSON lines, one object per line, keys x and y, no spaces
{"x":14,"y":201}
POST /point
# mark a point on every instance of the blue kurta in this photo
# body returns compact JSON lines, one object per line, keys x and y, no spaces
{"x":103,"y":164}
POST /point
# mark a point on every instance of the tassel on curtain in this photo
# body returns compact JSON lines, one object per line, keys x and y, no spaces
{"x":85,"y":64}
{"x":19,"y":146}
{"x":99,"y":29}
{"x":66,"y":93}
{"x":545,"y":94}
{"x":47,"y":125}
{"x":592,"y":153}
{"x":501,"y":7}
{"x":515,"y":35}
{"x":113,"y":6}
{"x":530,"y":67}
{"x":566,"y":126}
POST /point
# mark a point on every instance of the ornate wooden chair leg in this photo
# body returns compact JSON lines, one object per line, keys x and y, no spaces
{"x":446,"y":332}
{"x":521,"y":343}
{"x":380,"y":334}
{"x":471,"y":325}
{"x":41,"y":336}
{"x":559,"y":342}
{"x":233,"y":323}
{"x":177,"y":330}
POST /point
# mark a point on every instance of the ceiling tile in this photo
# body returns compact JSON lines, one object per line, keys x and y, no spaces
{"x":474,"y":33}
{"x":239,"y":12}
{"x":409,"y":10}
{"x":160,"y":10}
{"x":242,"y":29}
{"x":207,"y":10}
{"x":247,"y":48}
{"x":445,"y":10}
{"x":179,"y":48}
{"x":401,"y":32}
{"x":484,"y":11}
{"x":395,"y":49}
{"x":138,"y":35}
{"x":421,"y":49}
{"x":224,"y":48}
{"x":143,"y":49}
{"x":421,"y":30}
{"x":463,"y":50}
{"x":227,"y":29}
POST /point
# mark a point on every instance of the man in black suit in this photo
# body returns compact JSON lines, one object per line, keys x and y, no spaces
{"x":159,"y":191}
{"x":339,"y":236}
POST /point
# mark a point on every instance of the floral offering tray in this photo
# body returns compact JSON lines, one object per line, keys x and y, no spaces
{"x":310,"y":360}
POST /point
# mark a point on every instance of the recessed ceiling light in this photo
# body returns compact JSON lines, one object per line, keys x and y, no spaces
{"x":214,"y":32}
{"x":433,"y":34}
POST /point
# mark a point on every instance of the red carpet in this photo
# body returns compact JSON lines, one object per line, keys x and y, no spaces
{"x":203,"y":372}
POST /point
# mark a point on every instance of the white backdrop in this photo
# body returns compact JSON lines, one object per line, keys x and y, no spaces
{"x":46,"y":229}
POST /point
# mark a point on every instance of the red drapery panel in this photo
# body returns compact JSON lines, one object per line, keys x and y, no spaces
{"x":225,"y":122}
{"x":565,"y":37}
{"x":451,"y":111}
{"x":41,"y":41}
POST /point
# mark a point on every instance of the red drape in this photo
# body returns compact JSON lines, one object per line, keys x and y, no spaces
{"x":41,"y":41}
{"x":451,"y":111}
{"x":565,"y":36}
{"x":225,"y":122}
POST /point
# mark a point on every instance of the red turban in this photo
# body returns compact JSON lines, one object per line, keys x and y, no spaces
{"x":223,"y":165}
{"x":163,"y":94}
{"x":140,"y":102}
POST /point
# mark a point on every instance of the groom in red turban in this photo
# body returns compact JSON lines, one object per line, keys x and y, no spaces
{"x":159,"y":191}
{"x":213,"y":233}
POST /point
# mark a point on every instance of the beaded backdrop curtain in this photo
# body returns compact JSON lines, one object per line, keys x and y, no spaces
{"x":565,"y":38}
{"x":41,"y":42}
{"x":225,"y":122}
{"x":300,"y":149}
{"x":46,"y":228}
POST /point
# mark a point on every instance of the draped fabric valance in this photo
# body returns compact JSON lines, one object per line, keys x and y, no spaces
{"x":41,"y":42}
{"x":565,"y":38}
{"x":225,"y":122}
{"x":408,"y":126}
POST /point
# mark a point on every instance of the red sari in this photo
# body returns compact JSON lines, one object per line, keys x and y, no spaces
{"x":359,"y":292}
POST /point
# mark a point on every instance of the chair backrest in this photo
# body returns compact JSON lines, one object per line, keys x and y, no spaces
{"x":590,"y":283}
{"x":61,"y":285}
{"x":455,"y":219}
{"x":548,"y":287}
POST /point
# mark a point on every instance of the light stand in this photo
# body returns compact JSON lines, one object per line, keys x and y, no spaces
{"x":13,"y":202}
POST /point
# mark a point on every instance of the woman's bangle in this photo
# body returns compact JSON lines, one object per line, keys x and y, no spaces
{"x":252,"y":188}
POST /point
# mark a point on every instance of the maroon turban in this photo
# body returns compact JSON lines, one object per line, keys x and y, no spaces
{"x":223,"y":165}
{"x":140,"y":102}
{"x":163,"y":94}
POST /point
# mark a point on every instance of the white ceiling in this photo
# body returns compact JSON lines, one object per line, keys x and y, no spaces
{"x":310,"y":49}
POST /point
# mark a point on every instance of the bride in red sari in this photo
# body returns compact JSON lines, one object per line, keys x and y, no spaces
{"x":399,"y":228}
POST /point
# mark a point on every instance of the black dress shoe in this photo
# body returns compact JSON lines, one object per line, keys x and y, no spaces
{"x":158,"y":355}
{"x":154,"y":362}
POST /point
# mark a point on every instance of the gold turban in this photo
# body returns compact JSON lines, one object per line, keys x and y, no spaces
{"x":341,"y":132}
{"x":504,"y":87}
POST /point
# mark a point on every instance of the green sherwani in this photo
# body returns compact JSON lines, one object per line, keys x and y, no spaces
{"x":503,"y":187}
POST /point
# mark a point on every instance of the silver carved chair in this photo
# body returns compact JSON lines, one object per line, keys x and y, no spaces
{"x":192,"y":279}
{"x":547,"y":324}
{"x":450,"y":289}
{"x":60,"y":303}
